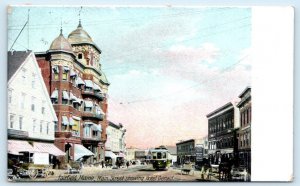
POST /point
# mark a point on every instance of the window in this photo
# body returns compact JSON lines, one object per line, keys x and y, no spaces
{"x":20,"y":122}
{"x":79,"y":56}
{"x":22,"y":102}
{"x":65,"y":76}
{"x":65,"y":97}
{"x":9,"y":96}
{"x":33,"y":125}
{"x":33,"y":81}
{"x":43,"y":107}
{"x":47,"y":129}
{"x":55,"y":126}
{"x":65,"y":73}
{"x":41,"y":127}
{"x":87,"y":131}
{"x":55,"y":72}
{"x":33,"y":104}
{"x":56,"y":76}
{"x":11,"y":120}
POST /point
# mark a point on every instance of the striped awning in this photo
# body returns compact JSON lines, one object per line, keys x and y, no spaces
{"x":48,"y":148}
{"x":16,"y":146}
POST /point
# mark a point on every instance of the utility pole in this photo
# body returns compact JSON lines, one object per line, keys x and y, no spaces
{"x":28,"y":29}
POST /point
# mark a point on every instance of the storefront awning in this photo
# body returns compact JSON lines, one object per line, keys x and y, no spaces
{"x":89,"y":83}
{"x":110,"y":154}
{"x":81,"y":151}
{"x":122,"y":155}
{"x":49,"y":148}
{"x":16,"y":146}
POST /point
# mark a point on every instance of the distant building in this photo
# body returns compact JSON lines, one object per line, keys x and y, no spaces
{"x":130,"y":153}
{"x":173,"y":152}
{"x":186,"y":150}
{"x":244,"y":144}
{"x":140,"y":155}
{"x":223,"y":124}
{"x":31,"y":117}
{"x":115,"y":145}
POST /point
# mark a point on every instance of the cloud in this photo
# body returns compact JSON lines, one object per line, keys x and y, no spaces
{"x":207,"y":52}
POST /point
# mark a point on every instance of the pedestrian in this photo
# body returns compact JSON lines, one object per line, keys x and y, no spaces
{"x":127,"y":164}
{"x":102,"y":163}
{"x":81,"y":165}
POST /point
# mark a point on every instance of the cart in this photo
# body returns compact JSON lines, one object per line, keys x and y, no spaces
{"x":38,"y":170}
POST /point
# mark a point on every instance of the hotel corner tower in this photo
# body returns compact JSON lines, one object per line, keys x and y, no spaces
{"x":78,"y":89}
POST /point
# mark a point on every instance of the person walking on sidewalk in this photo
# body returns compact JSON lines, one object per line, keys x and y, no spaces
{"x":127,"y":164}
{"x":102,"y":163}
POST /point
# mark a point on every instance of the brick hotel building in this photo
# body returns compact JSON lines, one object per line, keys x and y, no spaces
{"x":78,"y":88}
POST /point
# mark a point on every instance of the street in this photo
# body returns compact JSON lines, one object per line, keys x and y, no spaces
{"x":139,"y":173}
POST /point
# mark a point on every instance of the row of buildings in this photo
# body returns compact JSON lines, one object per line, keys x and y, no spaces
{"x":57,"y":104}
{"x":229,"y":135}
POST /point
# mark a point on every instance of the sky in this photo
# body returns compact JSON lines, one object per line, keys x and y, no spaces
{"x":168,"y":66}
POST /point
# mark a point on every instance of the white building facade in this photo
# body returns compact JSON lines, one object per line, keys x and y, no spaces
{"x":31,"y":116}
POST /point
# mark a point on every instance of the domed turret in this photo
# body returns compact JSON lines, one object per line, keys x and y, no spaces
{"x":79,"y":36}
{"x":61,"y":43}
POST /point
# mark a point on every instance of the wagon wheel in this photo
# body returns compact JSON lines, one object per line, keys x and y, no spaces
{"x":32,"y":173}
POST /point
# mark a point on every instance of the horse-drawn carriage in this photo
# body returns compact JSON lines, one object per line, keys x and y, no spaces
{"x":29,"y":170}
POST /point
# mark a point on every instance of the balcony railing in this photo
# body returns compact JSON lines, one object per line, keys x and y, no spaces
{"x":91,"y":138}
{"x":63,"y":134}
{"x":92,"y":93}
{"x":92,"y":115}
{"x":75,"y":133}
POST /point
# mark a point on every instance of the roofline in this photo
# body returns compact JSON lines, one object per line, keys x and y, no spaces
{"x":229,"y":104}
{"x":190,"y":140}
{"x":27,"y":51}
{"x":244,"y":91}
{"x":87,"y":43}
{"x":113,"y":125}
